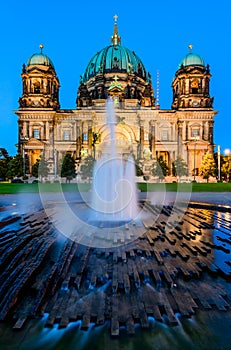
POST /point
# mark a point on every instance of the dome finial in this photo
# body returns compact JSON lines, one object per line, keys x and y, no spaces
{"x":41,"y":48}
{"x":190,"y":47}
{"x":115,"y":39}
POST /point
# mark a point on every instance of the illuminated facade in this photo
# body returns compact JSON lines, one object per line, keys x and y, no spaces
{"x":142,"y":128}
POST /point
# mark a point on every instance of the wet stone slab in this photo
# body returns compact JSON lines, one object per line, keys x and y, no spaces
{"x":174,"y":267}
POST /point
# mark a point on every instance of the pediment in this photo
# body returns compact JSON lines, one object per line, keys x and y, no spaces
{"x":116,"y":88}
{"x":34,"y":142}
{"x":199,"y":142}
{"x":37,"y":70}
{"x":196,"y":71}
{"x":165,"y":125}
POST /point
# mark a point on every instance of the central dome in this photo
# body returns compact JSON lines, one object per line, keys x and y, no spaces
{"x":115,"y":58}
{"x":117,"y":72}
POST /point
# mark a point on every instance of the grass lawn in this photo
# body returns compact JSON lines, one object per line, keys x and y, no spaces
{"x":8,"y":188}
{"x":186,"y":187}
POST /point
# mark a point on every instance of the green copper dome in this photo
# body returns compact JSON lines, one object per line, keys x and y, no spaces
{"x":191,"y":59}
{"x":114,"y":58}
{"x":40,"y":59}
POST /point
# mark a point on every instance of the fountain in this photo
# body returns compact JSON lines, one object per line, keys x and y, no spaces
{"x":114,"y":192}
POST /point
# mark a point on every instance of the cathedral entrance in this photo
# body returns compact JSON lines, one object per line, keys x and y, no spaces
{"x":123,"y":141}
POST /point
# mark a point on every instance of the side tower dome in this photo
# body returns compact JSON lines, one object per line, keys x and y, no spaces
{"x":191,"y":59}
{"x":191,"y":84}
{"x":40,"y":83}
{"x":115,"y":71}
{"x":40,"y":59}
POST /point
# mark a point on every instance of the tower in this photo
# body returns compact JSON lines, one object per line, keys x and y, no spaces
{"x":40,"y":83}
{"x":194,"y":111}
{"x":191,"y":84}
{"x":37,"y":107}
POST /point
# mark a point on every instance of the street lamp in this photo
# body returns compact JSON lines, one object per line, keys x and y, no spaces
{"x":227,"y":151}
{"x":219,"y":161}
{"x":23,"y":140}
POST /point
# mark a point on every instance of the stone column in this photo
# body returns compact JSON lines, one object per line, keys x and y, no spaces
{"x":24,"y":129}
{"x":211,"y":132}
{"x":206,"y":130}
{"x":78,"y":139}
{"x":90,"y":136}
{"x":47,"y":130}
{"x":141,"y":140}
{"x":42,"y":132}
{"x":187,"y":136}
{"x":73,"y":130}
{"x":184,"y":131}
{"x":30,"y":131}
{"x":152,"y":138}
{"x":179,"y":138}
{"x":187,"y":86}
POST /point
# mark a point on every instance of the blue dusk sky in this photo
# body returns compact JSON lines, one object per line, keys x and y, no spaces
{"x":72,"y":31}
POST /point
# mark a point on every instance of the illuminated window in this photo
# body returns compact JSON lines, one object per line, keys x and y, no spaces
{"x":36,"y":133}
{"x":195,"y":132}
{"x":85,"y":137}
{"x":195,"y":86}
{"x":66,"y":135}
{"x":164,"y":135}
{"x":36,"y":87}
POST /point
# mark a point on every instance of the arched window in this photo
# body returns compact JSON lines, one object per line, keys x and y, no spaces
{"x":36,"y":87}
{"x":194,"y":87}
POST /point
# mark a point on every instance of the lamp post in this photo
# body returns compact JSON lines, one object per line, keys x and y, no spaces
{"x":23,"y":140}
{"x":219,"y":162}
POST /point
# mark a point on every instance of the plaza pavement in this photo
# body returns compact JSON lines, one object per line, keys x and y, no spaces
{"x":22,"y":203}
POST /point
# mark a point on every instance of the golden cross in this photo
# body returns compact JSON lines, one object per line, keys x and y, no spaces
{"x":115,"y":18}
{"x":41,"y":47}
{"x":190,"y":47}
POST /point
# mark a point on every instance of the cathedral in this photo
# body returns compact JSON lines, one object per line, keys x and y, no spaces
{"x":142,"y":128}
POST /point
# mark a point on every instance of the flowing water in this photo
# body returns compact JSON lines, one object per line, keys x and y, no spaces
{"x":114,"y":192}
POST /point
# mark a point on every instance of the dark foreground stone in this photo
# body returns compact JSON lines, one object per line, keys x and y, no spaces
{"x":175,"y":267}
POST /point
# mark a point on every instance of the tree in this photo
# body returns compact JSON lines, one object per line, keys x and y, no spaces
{"x":226,"y":167}
{"x":15,"y":167}
{"x":87,"y":167}
{"x":4,"y":160}
{"x":40,"y":168}
{"x":179,"y":167}
{"x":159,"y":168}
{"x":68,"y":167}
{"x":208,"y":166}
{"x":139,"y":171}
{"x":4,"y":154}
